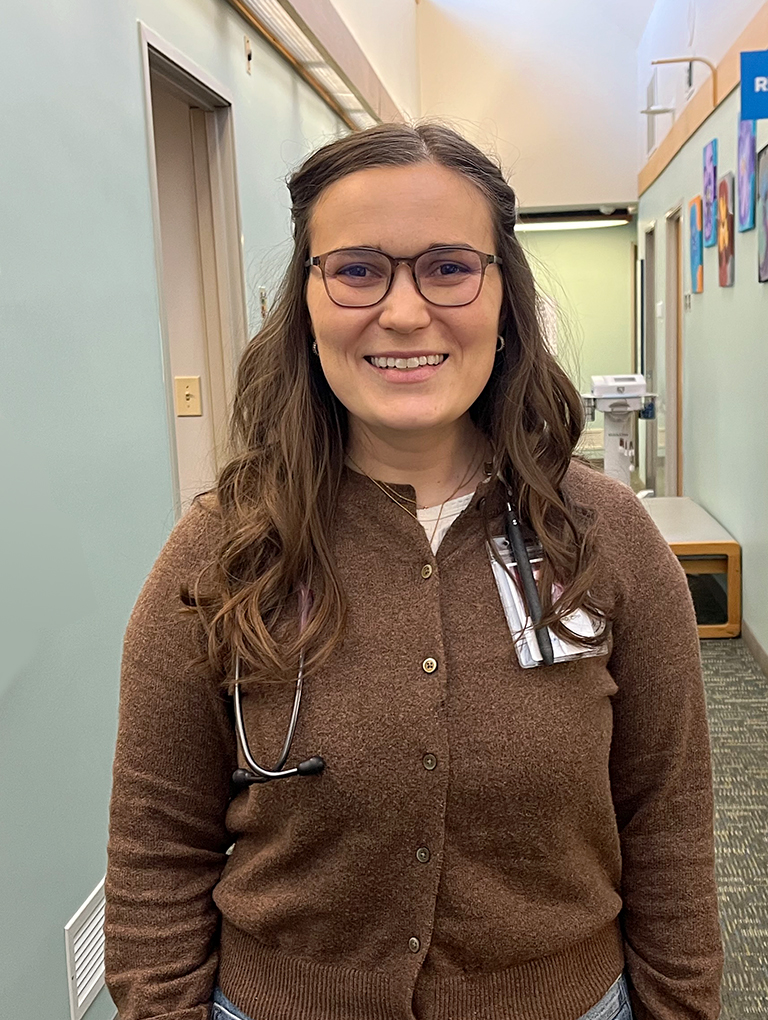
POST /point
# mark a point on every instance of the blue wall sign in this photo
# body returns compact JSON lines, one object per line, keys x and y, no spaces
{"x":754,"y":85}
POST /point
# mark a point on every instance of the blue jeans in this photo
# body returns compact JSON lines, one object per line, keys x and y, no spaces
{"x":614,"y":1005}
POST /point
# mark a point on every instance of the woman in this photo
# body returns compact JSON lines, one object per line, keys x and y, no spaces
{"x":472,"y":837}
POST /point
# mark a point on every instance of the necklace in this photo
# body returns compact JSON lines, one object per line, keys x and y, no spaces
{"x":400,"y":500}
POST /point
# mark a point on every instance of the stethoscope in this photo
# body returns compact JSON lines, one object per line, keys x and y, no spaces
{"x":255,"y":773}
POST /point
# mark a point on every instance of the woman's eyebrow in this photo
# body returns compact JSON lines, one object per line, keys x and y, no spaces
{"x":378,"y":247}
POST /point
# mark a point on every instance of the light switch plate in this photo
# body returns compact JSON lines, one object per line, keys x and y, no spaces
{"x":187,"y":393}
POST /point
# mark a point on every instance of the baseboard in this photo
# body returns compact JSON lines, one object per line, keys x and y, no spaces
{"x":759,"y":653}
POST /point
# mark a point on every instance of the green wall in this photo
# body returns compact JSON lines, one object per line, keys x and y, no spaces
{"x":86,"y":491}
{"x":589,"y":273}
{"x":725,"y":366}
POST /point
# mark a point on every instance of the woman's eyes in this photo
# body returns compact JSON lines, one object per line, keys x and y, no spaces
{"x":446,"y":268}
{"x":440,"y":269}
{"x":359,"y":271}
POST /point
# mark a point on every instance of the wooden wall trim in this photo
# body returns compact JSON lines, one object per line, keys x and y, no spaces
{"x":323,"y":25}
{"x":700,"y":107}
{"x":327,"y":29}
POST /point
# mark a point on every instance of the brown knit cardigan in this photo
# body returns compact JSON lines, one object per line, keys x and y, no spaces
{"x":485,"y":842}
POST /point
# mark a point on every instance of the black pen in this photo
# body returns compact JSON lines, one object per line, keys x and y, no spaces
{"x":531,"y":592}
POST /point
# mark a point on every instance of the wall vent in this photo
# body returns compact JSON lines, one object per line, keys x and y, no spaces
{"x":84,"y":943}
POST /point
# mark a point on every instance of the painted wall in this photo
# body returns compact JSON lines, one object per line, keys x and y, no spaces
{"x":545,"y":84}
{"x":589,"y":274}
{"x":386,"y":32}
{"x":681,"y":28}
{"x":84,"y":449}
{"x":725,"y":375}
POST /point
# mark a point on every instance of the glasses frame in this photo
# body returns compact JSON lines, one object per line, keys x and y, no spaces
{"x":486,"y":260}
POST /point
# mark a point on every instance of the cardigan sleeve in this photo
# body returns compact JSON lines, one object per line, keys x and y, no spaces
{"x":167,"y":836}
{"x":661,"y":781}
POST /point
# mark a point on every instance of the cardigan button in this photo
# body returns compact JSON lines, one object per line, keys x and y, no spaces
{"x":426,"y":571}
{"x":414,"y":945}
{"x":429,"y":665}
{"x":429,"y":762}
{"x":423,"y":854}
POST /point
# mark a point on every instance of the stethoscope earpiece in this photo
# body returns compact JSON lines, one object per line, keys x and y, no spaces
{"x":243,"y":778}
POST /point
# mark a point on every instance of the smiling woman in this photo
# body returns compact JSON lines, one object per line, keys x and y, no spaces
{"x":502,"y":800}
{"x":404,"y":248}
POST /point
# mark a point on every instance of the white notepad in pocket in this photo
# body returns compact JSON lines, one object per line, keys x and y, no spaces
{"x":519,"y":622}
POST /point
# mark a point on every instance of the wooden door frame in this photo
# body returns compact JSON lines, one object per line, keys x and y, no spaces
{"x":223,"y":278}
{"x":648,"y":317}
{"x":673,"y":349}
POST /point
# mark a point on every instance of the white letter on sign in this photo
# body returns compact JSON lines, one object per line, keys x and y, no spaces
{"x":761,"y":84}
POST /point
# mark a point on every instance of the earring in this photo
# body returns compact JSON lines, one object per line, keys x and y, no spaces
{"x":500,"y":342}
{"x":314,"y":347}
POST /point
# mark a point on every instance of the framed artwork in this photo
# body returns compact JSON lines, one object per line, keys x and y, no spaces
{"x":746,"y":183}
{"x":697,"y":248}
{"x":762,"y":215}
{"x":709,"y":196}
{"x":725,"y":241}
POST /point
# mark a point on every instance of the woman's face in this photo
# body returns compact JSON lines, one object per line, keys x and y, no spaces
{"x":403,"y":211}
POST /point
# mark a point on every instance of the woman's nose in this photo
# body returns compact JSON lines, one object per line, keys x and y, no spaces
{"x":404,"y":309}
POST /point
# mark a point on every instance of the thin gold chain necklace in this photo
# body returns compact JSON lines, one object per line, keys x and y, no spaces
{"x":396,"y":497}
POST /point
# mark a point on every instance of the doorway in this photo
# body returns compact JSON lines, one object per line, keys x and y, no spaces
{"x":199,"y":260}
{"x":654,"y":477}
{"x":673,"y":356}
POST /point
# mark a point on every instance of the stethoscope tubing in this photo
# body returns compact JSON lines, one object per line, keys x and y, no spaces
{"x":243,"y":778}
{"x":260,"y":773}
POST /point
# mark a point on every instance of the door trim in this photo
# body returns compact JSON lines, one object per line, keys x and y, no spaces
{"x":673,"y":346}
{"x":649,"y":321}
{"x":223,"y":274}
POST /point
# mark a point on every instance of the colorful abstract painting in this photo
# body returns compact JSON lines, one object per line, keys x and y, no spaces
{"x":762,"y":215}
{"x":697,"y":248}
{"x":709,"y":196}
{"x":725,"y":239}
{"x":746,"y":183}
{"x":725,"y":230}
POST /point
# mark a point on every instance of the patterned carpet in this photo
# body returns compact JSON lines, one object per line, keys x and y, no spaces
{"x":737,"y":704}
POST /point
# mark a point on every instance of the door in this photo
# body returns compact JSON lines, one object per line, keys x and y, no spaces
{"x":199,"y":264}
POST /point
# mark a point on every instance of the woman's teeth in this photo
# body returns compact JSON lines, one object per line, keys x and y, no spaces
{"x":430,"y":359}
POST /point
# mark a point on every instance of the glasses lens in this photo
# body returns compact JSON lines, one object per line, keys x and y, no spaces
{"x":355,"y":276}
{"x":450,"y":276}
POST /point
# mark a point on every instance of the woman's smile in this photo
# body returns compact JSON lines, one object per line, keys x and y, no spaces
{"x":406,"y":367}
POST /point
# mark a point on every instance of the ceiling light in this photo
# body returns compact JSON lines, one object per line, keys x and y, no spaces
{"x":573,"y":219}
{"x":276,"y":23}
{"x":568,"y":225}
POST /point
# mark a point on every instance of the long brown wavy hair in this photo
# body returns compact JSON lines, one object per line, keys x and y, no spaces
{"x":277,"y":494}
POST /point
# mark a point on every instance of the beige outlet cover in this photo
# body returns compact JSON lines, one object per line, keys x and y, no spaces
{"x":187,"y":393}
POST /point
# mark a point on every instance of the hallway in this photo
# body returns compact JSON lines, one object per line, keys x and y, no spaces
{"x":154,"y":280}
{"x":737,"y":703}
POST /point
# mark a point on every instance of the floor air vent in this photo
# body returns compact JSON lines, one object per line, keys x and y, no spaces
{"x":84,"y":941}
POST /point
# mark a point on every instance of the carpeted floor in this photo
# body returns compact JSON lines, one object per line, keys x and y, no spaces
{"x":737,"y":705}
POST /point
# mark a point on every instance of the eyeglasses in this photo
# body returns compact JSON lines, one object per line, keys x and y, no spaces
{"x":361,"y":277}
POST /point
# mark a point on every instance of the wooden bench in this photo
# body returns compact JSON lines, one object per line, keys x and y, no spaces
{"x":703,"y":546}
